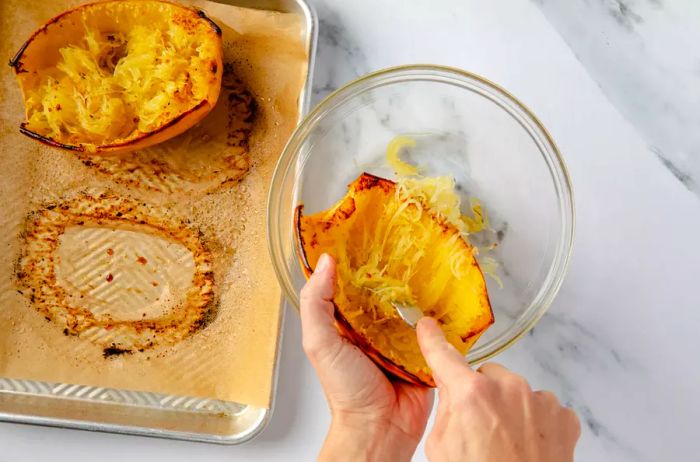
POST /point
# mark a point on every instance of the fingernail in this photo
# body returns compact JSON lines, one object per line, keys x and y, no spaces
{"x":428,"y":320}
{"x":433,"y":329}
{"x":322,"y":264}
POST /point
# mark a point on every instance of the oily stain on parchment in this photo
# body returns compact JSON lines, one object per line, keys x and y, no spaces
{"x":116,"y":271}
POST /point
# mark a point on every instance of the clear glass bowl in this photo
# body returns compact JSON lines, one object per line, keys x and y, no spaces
{"x":465,"y":126}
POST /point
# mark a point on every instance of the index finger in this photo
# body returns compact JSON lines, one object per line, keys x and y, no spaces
{"x":317,"y":321}
{"x":448,"y":365}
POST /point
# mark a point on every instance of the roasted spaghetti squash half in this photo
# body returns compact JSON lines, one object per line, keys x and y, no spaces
{"x":119,"y":75}
{"x":392,"y":244}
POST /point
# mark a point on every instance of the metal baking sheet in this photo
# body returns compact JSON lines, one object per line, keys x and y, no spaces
{"x":145,"y":413}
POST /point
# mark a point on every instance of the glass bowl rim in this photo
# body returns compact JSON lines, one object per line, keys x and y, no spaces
{"x":459,"y":77}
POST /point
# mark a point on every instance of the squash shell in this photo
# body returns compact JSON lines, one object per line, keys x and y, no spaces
{"x":311,"y":238}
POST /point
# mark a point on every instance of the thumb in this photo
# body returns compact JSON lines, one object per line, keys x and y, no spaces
{"x":448,"y":365}
{"x":317,"y":319}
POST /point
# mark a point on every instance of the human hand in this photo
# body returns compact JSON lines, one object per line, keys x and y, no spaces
{"x":373,"y":418}
{"x":491,"y":415}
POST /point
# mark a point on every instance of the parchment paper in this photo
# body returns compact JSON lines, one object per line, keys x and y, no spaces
{"x":202,"y":200}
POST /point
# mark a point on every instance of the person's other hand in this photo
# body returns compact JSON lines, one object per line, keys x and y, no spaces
{"x":491,"y":415}
{"x":373,"y":418}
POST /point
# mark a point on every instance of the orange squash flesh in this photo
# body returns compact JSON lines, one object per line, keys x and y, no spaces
{"x":117,"y":76}
{"x":391,"y":248}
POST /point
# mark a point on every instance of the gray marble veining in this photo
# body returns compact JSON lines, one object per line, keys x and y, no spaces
{"x":339,"y":59}
{"x":645,"y":56}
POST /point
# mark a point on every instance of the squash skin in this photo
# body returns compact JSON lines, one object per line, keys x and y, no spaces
{"x":29,"y":61}
{"x":343,"y":210}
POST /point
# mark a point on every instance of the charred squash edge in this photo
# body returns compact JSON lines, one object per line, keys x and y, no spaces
{"x":51,"y":142}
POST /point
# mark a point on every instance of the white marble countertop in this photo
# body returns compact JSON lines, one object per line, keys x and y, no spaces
{"x":620,"y":343}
